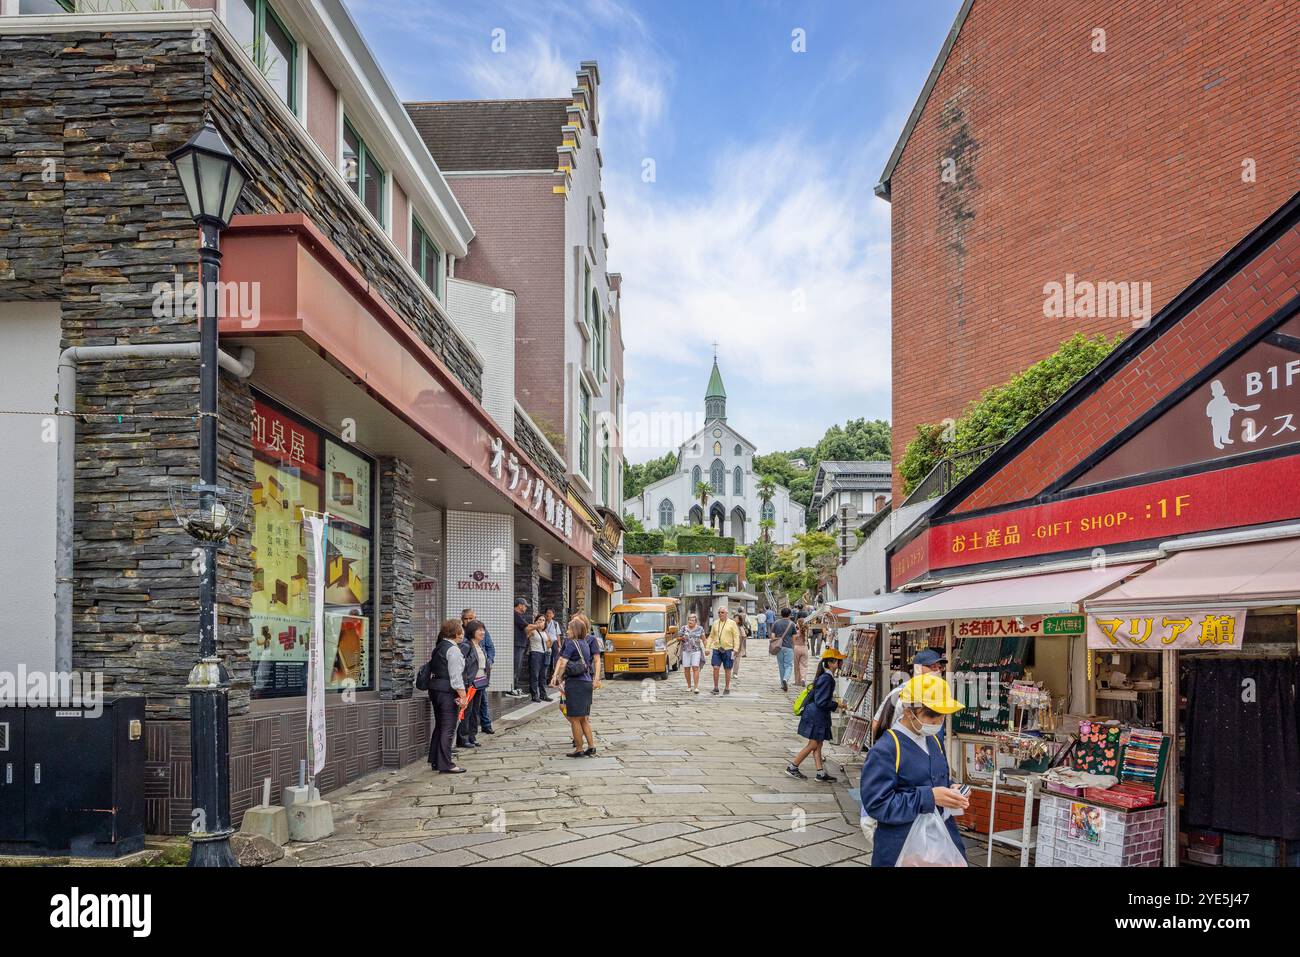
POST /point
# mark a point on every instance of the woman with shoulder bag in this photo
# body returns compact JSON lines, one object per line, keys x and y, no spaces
{"x":446,"y":680}
{"x":580,"y":666}
{"x":742,"y":627}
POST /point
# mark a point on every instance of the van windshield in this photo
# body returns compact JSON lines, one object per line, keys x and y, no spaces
{"x":637,"y":622}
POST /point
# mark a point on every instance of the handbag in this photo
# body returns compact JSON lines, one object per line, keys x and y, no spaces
{"x":576,"y":668}
{"x":774,"y":643}
{"x":423,"y":676}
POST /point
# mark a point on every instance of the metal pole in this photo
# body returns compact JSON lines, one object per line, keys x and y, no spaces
{"x":209,"y":684}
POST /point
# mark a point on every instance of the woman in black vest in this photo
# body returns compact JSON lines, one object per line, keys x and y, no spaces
{"x":446,"y":694}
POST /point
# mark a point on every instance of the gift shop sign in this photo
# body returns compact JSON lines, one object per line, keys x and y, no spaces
{"x":1218,"y":629}
{"x":1233,"y":497}
{"x":478,"y":581}
{"x":1002,"y":627}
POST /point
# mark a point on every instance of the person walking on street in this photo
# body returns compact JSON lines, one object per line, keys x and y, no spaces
{"x":724,"y":639}
{"x":554,"y":635}
{"x":783,"y":636}
{"x":692,"y":639}
{"x":476,"y":680}
{"x":815,"y":721}
{"x":490,"y":650}
{"x":520,"y":649}
{"x":742,"y":629}
{"x":446,"y":694}
{"x":906,"y":773}
{"x":927,"y":661}
{"x":581,"y":669}
{"x":538,"y":652}
{"x":799,"y":650}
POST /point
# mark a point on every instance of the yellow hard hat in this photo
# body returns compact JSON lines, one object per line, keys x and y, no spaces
{"x":833,"y":653}
{"x":930,"y":691}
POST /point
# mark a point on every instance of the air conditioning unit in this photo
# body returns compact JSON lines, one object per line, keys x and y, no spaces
{"x":72,"y":779}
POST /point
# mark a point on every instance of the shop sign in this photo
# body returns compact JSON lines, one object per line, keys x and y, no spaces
{"x":1233,"y":497}
{"x":478,"y":581}
{"x":1064,"y":625}
{"x":1217,"y":629}
{"x":1252,"y":403}
{"x":1014,"y":626}
{"x":532,"y":492}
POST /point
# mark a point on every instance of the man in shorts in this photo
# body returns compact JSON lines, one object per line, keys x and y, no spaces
{"x":724,"y":640}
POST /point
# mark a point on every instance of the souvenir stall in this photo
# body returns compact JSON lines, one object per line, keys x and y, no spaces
{"x":1170,"y":468}
{"x":1221,"y":623}
{"x":1017,"y":660}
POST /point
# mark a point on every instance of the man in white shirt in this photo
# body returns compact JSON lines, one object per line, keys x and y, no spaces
{"x":926,"y":661}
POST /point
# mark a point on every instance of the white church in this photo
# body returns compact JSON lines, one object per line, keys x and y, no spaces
{"x":722,"y":457}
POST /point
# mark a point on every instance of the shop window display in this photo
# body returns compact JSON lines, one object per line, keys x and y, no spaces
{"x":298,"y":467}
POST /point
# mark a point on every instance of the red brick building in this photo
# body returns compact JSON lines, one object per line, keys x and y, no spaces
{"x":1112,"y":142}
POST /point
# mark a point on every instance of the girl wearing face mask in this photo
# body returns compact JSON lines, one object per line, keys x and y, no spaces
{"x":906,"y":771}
{"x":815,"y":721}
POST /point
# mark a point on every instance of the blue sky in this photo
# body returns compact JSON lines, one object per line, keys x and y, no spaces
{"x":760,"y":229}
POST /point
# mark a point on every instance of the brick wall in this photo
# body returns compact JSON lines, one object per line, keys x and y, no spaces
{"x":1117,"y":166}
{"x":519,"y":245}
{"x":1132,"y":839}
{"x":1244,"y":301}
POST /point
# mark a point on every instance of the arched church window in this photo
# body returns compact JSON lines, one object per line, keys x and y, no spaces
{"x":738,"y":481}
{"x":696,"y":475}
{"x":717,"y":448}
{"x":665,"y":514}
{"x":738,"y":449}
{"x":769,"y":512}
{"x":718,"y":477}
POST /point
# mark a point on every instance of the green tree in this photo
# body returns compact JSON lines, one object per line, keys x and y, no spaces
{"x":637,"y":477}
{"x":631,"y":523}
{"x":1002,"y":411}
{"x":666,"y":584}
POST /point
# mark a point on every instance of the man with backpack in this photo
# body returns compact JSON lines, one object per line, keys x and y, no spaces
{"x":781,"y":644}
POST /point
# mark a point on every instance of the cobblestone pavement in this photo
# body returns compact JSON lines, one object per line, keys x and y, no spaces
{"x":680,"y":780}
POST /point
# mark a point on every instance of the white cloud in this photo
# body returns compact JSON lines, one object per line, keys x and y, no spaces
{"x":774,"y":221}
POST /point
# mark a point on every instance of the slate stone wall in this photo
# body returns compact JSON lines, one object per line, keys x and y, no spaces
{"x":92,"y":216}
{"x":396,"y":579}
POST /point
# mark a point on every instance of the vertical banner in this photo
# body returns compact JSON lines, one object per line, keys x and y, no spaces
{"x":316,"y":641}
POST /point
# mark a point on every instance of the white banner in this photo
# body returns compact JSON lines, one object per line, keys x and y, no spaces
{"x":316,"y":643}
{"x":1220,"y":629}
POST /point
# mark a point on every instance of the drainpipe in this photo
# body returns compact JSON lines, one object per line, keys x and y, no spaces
{"x":67,"y":466}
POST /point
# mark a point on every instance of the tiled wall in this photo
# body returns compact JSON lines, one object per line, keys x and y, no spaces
{"x":480,"y":575}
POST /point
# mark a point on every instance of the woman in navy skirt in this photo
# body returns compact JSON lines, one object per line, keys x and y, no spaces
{"x":815,"y":721}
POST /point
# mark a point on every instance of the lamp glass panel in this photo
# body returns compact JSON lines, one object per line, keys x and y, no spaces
{"x":233,"y":189}
{"x":212,"y":181}
{"x":185,"y":170}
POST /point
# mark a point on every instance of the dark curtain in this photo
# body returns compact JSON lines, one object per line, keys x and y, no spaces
{"x":1243,"y":761}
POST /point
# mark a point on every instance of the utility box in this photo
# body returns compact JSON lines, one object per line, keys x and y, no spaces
{"x":72,"y":779}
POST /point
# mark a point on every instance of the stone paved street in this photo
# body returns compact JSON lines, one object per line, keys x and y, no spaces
{"x":680,"y":780}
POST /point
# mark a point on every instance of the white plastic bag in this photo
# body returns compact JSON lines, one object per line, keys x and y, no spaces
{"x":929,"y":844}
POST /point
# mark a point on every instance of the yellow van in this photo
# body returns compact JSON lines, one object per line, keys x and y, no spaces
{"x":642,"y":638}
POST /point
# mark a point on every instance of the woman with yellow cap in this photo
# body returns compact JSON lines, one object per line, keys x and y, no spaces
{"x":906,"y":771}
{"x":815,"y":720}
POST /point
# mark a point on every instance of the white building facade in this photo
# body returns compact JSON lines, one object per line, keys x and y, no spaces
{"x":723,"y":458}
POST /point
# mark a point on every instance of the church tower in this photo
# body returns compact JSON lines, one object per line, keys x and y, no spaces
{"x":715,"y":397}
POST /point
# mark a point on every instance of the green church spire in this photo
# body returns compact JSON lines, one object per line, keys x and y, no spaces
{"x":715,"y":396}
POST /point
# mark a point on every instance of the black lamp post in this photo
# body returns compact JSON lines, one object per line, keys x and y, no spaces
{"x":713,"y":587}
{"x":212,"y":178}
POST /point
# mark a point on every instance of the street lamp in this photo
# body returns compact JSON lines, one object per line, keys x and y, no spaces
{"x":212,"y":178}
